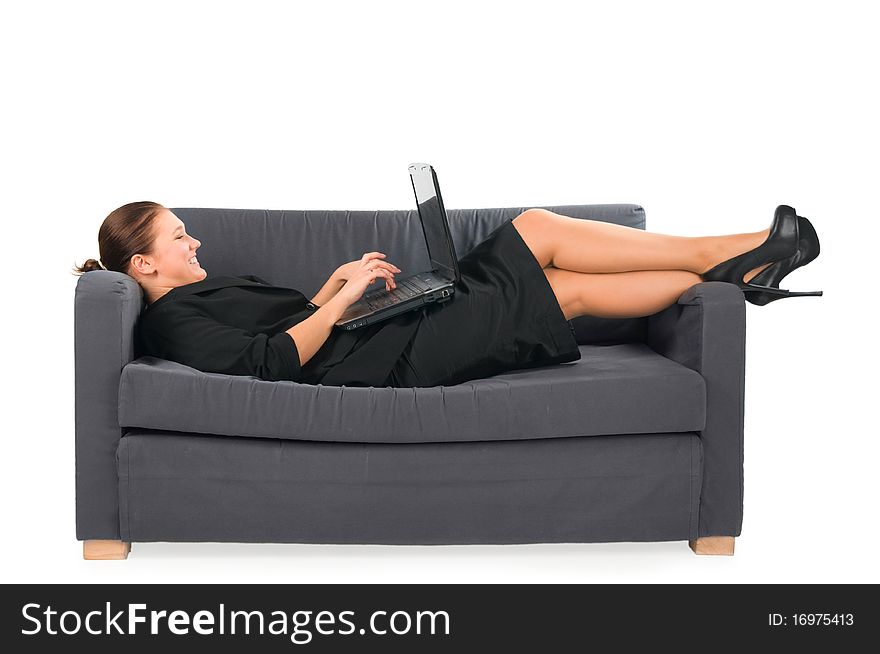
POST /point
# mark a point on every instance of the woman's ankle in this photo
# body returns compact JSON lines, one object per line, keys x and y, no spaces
{"x":722,"y":248}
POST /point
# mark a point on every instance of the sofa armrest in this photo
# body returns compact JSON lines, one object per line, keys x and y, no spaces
{"x":705,"y":331}
{"x":107,"y":305}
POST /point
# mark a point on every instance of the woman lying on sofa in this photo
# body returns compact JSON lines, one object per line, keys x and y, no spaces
{"x":519,"y":288}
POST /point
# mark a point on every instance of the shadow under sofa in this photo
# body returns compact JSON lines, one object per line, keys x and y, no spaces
{"x":640,"y":440}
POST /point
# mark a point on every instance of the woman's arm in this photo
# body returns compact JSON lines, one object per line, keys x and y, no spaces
{"x":329,"y":290}
{"x":310,"y":334}
{"x":180,"y":332}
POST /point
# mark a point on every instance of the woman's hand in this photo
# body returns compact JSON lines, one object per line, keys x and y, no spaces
{"x":357,"y":275}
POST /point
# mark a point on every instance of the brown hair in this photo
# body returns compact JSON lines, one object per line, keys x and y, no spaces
{"x":127,"y":231}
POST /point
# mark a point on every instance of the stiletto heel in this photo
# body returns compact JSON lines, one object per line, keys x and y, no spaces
{"x":780,"y":244}
{"x":808,"y":250}
{"x":766,"y":294}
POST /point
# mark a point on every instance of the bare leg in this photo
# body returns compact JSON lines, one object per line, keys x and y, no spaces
{"x":593,"y":246}
{"x":618,"y":295}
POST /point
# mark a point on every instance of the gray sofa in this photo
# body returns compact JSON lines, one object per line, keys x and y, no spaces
{"x":639,"y":440}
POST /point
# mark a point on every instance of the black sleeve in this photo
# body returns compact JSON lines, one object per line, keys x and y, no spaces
{"x":181,"y":333}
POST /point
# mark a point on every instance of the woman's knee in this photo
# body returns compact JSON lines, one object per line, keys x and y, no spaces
{"x":535,"y":215}
{"x":532,"y":225}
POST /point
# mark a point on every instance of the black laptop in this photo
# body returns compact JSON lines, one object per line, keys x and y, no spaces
{"x":434,"y":285}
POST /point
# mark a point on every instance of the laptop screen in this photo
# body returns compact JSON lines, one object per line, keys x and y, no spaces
{"x":434,"y":222}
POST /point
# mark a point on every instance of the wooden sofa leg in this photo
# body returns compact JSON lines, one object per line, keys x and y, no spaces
{"x":713,"y":545}
{"x":105,"y":550}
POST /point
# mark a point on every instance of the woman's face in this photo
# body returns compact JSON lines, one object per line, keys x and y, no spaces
{"x":170,"y":264}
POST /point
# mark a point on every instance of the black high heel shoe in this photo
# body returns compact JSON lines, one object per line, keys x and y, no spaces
{"x":808,"y":249}
{"x":780,"y":244}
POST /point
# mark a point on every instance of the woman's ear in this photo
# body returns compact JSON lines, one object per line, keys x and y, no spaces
{"x":141,"y":265}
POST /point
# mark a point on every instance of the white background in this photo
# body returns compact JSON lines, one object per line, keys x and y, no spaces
{"x":708,"y":116}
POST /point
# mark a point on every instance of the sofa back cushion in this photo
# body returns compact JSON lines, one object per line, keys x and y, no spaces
{"x":301,"y":249}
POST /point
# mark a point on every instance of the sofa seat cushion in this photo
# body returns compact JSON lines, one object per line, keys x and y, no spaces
{"x":613,"y":389}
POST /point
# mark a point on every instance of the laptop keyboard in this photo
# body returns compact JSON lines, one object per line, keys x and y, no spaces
{"x":406,"y":289}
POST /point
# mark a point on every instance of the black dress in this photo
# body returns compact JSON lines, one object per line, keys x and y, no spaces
{"x":502,"y":316}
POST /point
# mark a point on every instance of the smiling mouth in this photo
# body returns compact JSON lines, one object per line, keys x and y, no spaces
{"x":194,"y":261}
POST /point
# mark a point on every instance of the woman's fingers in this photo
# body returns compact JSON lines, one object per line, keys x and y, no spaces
{"x":387,"y":267}
{"x":380,"y":268}
{"x":376,"y":273}
{"x":373,"y":255}
{"x":381,"y":272}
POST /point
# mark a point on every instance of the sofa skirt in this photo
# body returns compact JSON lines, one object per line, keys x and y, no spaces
{"x":198,"y":488}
